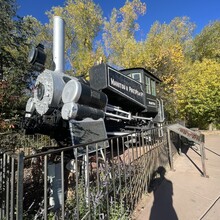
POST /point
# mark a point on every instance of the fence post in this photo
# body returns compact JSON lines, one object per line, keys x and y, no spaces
{"x":170,"y":149}
{"x":12,"y":187}
{"x":203,"y":157}
{"x":19,"y":204}
{"x":7,"y":185}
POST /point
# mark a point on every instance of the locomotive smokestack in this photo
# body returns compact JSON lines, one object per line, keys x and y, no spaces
{"x":58,"y":43}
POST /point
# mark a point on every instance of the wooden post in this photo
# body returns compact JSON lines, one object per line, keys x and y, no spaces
{"x":203,"y":158}
{"x":170,"y":150}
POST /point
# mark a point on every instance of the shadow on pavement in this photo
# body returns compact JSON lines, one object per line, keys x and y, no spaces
{"x":212,"y":151}
{"x":163,"y":203}
{"x":185,"y":146}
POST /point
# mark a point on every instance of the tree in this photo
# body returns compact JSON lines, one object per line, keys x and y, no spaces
{"x":7,"y":37}
{"x":165,"y":55}
{"x":200,"y":106}
{"x":199,"y":93}
{"x":206,"y":44}
{"x":13,"y":56}
{"x":167,"y":44}
{"x":83,"y":20}
{"x":119,"y":35}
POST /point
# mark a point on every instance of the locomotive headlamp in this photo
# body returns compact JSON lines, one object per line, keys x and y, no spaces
{"x":40,"y":91}
{"x":37,"y":58}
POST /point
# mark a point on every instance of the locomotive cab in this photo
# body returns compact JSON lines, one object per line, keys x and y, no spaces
{"x":149,"y":83}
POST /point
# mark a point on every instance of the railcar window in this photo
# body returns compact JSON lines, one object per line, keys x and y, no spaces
{"x":135,"y":76}
{"x":153,"y":87}
{"x":148,"y":87}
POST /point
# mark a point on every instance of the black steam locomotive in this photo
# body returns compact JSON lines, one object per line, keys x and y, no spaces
{"x":112,"y":102}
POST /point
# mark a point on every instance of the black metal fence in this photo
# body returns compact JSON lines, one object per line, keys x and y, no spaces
{"x":61,"y":183}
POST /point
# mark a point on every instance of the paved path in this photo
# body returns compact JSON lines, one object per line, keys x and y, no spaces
{"x":184,"y":194}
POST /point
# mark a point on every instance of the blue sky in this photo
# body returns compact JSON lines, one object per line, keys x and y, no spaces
{"x":201,"y":12}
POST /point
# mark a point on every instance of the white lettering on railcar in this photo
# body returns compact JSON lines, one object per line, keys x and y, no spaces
{"x":125,"y":87}
{"x":152,"y":103}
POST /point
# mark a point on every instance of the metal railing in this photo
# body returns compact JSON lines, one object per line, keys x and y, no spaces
{"x":62,"y":184}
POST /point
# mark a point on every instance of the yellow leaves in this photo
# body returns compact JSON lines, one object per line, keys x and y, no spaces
{"x":199,"y":88}
{"x":176,"y":54}
{"x":119,"y":33}
{"x":164,"y":49}
{"x":131,"y":9}
{"x":169,"y":80}
{"x":58,"y":11}
{"x":206,"y":44}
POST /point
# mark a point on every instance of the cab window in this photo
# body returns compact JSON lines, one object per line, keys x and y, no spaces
{"x":153,"y":87}
{"x":147,"y":85}
{"x":135,"y":76}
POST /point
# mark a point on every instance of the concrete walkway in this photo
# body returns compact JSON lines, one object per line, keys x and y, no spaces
{"x":184,"y":194}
